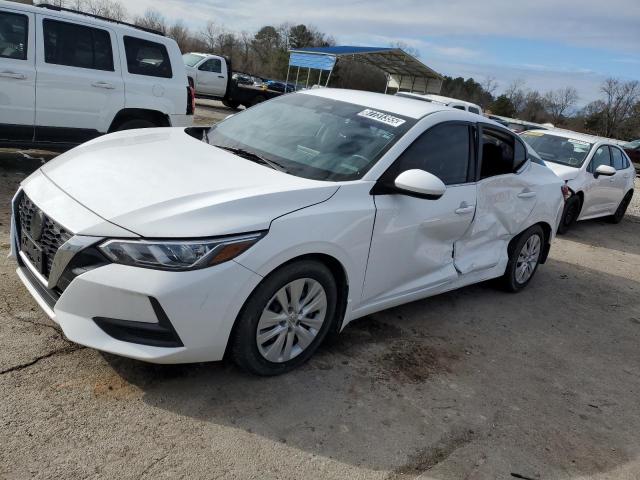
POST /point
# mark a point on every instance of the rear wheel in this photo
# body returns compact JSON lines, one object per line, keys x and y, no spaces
{"x":285,"y":319}
{"x":230,"y":104}
{"x":258,"y":99}
{"x":570,"y":214}
{"x":524,"y":259}
{"x":622,"y":209}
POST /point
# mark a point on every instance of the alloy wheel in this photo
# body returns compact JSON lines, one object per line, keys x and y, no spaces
{"x":528,"y":259}
{"x":291,"y":320}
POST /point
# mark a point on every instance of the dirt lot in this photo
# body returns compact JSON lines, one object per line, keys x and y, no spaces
{"x":474,"y":384}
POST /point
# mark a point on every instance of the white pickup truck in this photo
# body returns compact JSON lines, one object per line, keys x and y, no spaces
{"x":212,"y":77}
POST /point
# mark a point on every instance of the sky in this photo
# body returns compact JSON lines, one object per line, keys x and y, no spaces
{"x":549,"y":44}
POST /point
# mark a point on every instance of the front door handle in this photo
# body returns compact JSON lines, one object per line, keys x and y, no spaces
{"x":527,"y":195}
{"x":14,"y":75}
{"x":220,"y":76}
{"x":466,"y":209}
{"x":105,"y":85}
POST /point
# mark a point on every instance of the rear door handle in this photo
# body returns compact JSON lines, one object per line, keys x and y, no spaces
{"x":105,"y":85}
{"x":14,"y":75}
{"x":220,"y":76}
{"x":465,"y":210}
{"x":527,"y":195}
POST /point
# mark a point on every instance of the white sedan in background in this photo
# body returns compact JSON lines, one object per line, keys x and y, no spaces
{"x":278,"y":226}
{"x":597,"y":171}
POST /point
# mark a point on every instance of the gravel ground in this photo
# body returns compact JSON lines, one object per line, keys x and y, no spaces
{"x":473,"y":384}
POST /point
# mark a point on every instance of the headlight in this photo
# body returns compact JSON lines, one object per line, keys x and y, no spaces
{"x":177,"y":254}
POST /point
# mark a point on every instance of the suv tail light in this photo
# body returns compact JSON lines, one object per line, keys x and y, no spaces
{"x":566,"y":192}
{"x":191,"y":98}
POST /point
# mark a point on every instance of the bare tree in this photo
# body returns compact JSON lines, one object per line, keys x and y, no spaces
{"x":414,"y":52}
{"x":620,"y":99}
{"x":181,"y":34}
{"x":210,"y":35}
{"x":490,"y":85}
{"x":517,"y":94}
{"x":153,"y":20}
{"x":559,"y":102}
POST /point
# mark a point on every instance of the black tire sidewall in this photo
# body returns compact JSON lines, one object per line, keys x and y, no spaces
{"x":624,"y":204}
{"x":244,"y":349}
{"x":510,"y":282}
{"x":573,"y":202}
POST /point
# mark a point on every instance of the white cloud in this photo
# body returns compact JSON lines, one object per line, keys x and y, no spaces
{"x":591,"y":23}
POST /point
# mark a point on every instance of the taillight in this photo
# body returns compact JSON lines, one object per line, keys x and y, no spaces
{"x":566,"y":192}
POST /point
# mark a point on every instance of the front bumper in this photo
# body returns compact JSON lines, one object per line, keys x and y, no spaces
{"x":150,"y":315}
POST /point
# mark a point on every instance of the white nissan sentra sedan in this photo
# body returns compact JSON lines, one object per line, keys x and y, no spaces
{"x":278,"y":226}
{"x":598,"y":173}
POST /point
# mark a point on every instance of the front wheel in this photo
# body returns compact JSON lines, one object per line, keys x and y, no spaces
{"x":524,"y":259}
{"x":570,"y":214}
{"x":622,"y":209}
{"x":285,"y":319}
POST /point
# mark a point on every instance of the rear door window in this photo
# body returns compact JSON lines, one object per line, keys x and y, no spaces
{"x":499,"y":153}
{"x":147,"y":58}
{"x":14,"y":30}
{"x":77,"y":46}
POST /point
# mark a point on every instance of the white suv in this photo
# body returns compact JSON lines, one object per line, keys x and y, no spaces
{"x":67,"y":77}
{"x":598,"y":173}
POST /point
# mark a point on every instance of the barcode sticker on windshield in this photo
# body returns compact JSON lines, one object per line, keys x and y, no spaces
{"x":382,"y":117}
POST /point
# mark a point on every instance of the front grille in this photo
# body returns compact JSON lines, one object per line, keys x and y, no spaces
{"x":53,"y":235}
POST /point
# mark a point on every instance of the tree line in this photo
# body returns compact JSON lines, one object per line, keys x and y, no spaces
{"x":265,"y":53}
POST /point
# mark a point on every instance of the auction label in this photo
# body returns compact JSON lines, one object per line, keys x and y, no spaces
{"x":382,"y":117}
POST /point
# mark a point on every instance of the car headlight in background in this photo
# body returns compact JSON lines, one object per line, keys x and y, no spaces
{"x":178,"y":255}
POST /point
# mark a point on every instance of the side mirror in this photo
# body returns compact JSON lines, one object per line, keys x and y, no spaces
{"x":421,"y":184}
{"x":605,"y":171}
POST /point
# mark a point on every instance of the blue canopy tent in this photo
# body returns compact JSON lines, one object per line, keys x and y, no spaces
{"x":404,"y":72}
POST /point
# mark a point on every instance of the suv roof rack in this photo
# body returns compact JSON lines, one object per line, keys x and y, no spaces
{"x":106,"y":19}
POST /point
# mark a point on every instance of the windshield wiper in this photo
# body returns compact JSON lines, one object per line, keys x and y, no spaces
{"x":254,"y":157}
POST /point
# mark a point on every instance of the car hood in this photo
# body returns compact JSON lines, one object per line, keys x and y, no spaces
{"x":563,"y":171}
{"x":163,"y":183}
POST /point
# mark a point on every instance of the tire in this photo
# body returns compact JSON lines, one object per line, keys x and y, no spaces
{"x":269,"y":341}
{"x":230,"y":104}
{"x":622,"y":209}
{"x":134,"y":124}
{"x":570,"y":214}
{"x":515,"y":278}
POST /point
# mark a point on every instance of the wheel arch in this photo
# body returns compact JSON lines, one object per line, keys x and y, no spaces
{"x":339,"y":273}
{"x":126,"y":114}
{"x":547,"y":231}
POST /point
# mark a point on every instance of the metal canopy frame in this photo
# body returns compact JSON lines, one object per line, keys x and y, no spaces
{"x":403,"y":71}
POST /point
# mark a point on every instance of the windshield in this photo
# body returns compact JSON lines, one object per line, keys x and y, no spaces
{"x":312,"y":137}
{"x":565,"y":151}
{"x":191,"y":59}
{"x":632,"y":145}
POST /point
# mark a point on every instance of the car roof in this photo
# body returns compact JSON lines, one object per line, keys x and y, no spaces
{"x":380,"y":101}
{"x":84,"y":18}
{"x":436,"y":98}
{"x":584,"y":137}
